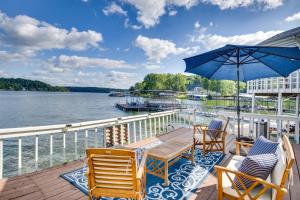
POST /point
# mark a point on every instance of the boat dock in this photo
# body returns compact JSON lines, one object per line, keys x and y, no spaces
{"x":153,"y":107}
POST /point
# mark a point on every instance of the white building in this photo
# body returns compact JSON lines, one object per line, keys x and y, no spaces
{"x":280,"y":86}
{"x":289,"y":85}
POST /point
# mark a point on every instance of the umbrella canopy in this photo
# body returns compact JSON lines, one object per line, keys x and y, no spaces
{"x":244,"y":63}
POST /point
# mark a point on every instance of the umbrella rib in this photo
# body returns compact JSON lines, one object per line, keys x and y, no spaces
{"x":271,"y":67}
{"x":220,"y":65}
{"x":274,"y":54}
{"x":205,"y":62}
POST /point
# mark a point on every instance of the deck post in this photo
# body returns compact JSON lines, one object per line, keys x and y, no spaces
{"x":64,"y":140}
{"x":1,"y":158}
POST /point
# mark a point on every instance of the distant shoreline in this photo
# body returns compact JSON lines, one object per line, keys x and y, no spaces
{"x":19,"y":84}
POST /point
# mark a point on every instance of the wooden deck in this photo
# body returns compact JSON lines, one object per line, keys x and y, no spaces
{"x":47,"y":184}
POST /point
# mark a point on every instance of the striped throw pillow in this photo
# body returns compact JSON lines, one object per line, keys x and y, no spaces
{"x":259,"y":166}
{"x":263,"y":146}
{"x":213,"y":128}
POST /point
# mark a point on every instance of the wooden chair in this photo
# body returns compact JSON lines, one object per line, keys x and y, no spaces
{"x":208,"y":142}
{"x":114,"y":173}
{"x":273,"y":188}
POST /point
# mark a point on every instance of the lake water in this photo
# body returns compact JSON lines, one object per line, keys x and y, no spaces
{"x":19,"y":109}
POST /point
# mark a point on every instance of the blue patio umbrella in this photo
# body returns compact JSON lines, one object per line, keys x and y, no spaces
{"x":244,"y":63}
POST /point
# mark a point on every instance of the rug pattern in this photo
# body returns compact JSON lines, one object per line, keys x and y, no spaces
{"x":184,"y":178}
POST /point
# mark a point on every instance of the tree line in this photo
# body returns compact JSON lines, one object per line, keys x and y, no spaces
{"x":19,"y":84}
{"x":183,"y":83}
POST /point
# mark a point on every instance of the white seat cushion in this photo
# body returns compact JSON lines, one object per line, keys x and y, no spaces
{"x":278,"y":171}
{"x":234,"y":164}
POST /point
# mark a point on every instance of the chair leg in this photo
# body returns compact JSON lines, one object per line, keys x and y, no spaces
{"x":90,"y":196}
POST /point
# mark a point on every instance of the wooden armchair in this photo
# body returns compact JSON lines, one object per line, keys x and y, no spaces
{"x":208,"y":142}
{"x":114,"y":173}
{"x":273,"y":188}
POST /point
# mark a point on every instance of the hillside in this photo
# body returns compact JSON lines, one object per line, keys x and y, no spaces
{"x":19,"y":84}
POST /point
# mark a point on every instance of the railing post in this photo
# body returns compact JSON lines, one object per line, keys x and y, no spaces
{"x":159,"y":126}
{"x":86,"y":138}
{"x":96,"y":137}
{"x":134,"y":131}
{"x":20,"y":155}
{"x":64,"y":140}
{"x":155,"y":126}
{"x":150,"y":124}
{"x":1,"y":159}
{"x":51,"y":144}
{"x":36,"y":148}
{"x":145,"y":128}
{"x":128,"y":131}
{"x":163,"y":124}
{"x":121,"y":133}
{"x":140,"y":130}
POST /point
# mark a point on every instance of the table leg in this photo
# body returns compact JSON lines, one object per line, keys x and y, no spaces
{"x":166,"y":170}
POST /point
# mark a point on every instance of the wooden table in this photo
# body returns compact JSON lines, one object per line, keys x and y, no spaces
{"x":161,"y":155}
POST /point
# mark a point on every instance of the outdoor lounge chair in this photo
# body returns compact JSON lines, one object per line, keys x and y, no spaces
{"x":271,"y":189}
{"x":115,"y":173}
{"x":208,"y":141}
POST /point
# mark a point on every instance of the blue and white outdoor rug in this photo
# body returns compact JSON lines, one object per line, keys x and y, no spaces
{"x":184,"y":178}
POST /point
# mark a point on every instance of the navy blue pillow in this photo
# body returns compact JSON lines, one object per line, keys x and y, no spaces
{"x":263,"y":146}
{"x":259,"y":166}
{"x":213,"y":128}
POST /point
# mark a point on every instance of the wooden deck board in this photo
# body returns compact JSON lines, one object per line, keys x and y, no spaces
{"x":48,"y":185}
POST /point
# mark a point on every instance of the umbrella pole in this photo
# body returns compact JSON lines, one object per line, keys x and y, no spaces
{"x":238,"y":92}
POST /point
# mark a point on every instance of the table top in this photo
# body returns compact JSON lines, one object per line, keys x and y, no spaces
{"x":169,"y":149}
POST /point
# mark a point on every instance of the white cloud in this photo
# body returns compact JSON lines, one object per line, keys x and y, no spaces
{"x":8,"y":56}
{"x":232,"y":4}
{"x":197,"y":24}
{"x":157,"y":49}
{"x":149,"y":12}
{"x":114,"y":8}
{"x":152,"y":67}
{"x":172,"y":12}
{"x":133,"y":26}
{"x":113,"y":79}
{"x":212,"y":41}
{"x":27,"y":34}
{"x":294,"y":17}
{"x":73,"y":62}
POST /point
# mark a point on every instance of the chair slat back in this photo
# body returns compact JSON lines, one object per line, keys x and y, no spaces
{"x":112,"y":169}
{"x":290,"y":159}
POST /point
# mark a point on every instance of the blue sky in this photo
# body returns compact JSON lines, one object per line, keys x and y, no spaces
{"x":114,"y":43}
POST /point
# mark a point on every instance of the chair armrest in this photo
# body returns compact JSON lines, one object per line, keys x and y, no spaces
{"x":142,"y":167}
{"x":238,"y":146}
{"x":220,"y":170}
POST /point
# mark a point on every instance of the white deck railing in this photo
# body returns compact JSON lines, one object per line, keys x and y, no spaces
{"x":277,"y":125}
{"x":139,"y":128}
